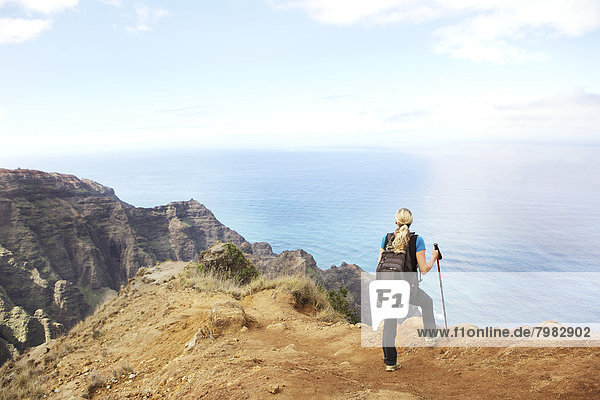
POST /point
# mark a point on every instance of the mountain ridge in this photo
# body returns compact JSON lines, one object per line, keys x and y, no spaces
{"x":67,"y":243}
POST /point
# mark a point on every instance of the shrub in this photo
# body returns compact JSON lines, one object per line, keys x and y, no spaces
{"x":123,"y":369}
{"x":229,"y":261}
{"x":96,"y":380}
{"x":339,"y":302}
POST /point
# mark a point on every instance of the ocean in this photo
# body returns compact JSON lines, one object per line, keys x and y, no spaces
{"x":491,"y":207}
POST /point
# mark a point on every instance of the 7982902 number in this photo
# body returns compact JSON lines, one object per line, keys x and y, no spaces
{"x":563,"y":331}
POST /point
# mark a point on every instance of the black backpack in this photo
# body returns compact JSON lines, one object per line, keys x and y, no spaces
{"x":400,"y":265}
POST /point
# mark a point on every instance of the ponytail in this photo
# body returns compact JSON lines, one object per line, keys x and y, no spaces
{"x":401,"y":234}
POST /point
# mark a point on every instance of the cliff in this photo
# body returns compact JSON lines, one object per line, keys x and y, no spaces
{"x":66,"y":244}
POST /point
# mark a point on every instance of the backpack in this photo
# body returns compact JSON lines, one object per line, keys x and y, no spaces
{"x":400,"y":265}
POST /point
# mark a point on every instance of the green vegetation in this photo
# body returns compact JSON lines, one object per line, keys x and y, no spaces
{"x":226,"y":259}
{"x":339,"y":302}
{"x":91,"y":297}
{"x":95,"y":298}
{"x":186,"y":222}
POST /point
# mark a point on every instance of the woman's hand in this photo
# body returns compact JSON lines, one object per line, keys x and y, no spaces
{"x":425,"y":266}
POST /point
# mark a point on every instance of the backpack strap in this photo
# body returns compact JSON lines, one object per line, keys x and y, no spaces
{"x":412,"y":250}
{"x":388,"y":237}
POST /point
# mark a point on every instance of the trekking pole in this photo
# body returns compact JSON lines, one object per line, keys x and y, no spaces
{"x":435,"y":246}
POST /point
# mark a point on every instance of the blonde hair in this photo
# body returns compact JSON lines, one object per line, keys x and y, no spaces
{"x":401,"y":235}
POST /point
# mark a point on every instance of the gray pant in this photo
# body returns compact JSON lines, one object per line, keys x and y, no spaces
{"x":418,"y":297}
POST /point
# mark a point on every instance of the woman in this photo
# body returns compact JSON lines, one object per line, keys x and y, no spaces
{"x":404,"y":241}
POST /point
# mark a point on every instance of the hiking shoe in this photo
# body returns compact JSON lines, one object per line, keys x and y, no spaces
{"x":390,"y":368}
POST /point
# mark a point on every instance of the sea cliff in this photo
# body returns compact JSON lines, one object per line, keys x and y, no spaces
{"x":67,"y":244}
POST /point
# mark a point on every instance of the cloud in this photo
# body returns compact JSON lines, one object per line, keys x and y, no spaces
{"x":146,"y":16}
{"x":575,"y":99}
{"x":568,"y":116}
{"x":349,"y":12}
{"x":338,"y":96}
{"x":402,"y":116}
{"x":18,"y":30}
{"x":41,"y":6}
{"x":189,"y":111}
{"x":479,"y":30}
{"x":114,"y":3}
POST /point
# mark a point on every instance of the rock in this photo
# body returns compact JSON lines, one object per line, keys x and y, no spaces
{"x":7,"y":351}
{"x":244,"y":329}
{"x":290,"y":349}
{"x":69,"y":305}
{"x":343,"y":351}
{"x":192,"y":343}
{"x":277,"y":327}
{"x":226,"y":317}
{"x":27,"y":330}
{"x":180,"y":230}
{"x":228,"y":260}
{"x":262,"y":249}
{"x":349,"y":276}
{"x":52,"y":329}
{"x":274,"y":389}
{"x":297,"y":262}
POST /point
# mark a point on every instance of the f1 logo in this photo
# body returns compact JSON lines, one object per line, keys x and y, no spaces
{"x":389,"y":299}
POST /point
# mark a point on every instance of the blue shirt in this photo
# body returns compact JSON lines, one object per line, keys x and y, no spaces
{"x":420,"y":243}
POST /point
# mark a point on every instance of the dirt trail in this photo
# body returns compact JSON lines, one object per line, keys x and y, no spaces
{"x":135,"y":347}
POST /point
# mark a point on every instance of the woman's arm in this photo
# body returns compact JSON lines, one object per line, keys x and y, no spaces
{"x":425,"y":266}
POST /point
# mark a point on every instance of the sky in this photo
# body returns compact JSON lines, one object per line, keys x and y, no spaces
{"x":90,"y":75}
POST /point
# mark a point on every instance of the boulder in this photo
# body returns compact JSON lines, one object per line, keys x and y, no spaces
{"x":276,"y":327}
{"x":297,"y":262}
{"x":227,"y":260}
{"x":228,"y":317}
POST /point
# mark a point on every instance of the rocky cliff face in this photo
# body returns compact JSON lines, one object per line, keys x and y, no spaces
{"x":65,"y":241}
{"x":348,"y":276}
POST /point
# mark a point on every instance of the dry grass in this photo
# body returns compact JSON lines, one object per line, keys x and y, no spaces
{"x":210,"y":281}
{"x":96,"y":380}
{"x":122,"y":369}
{"x":306,"y":292}
{"x":20,"y":382}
